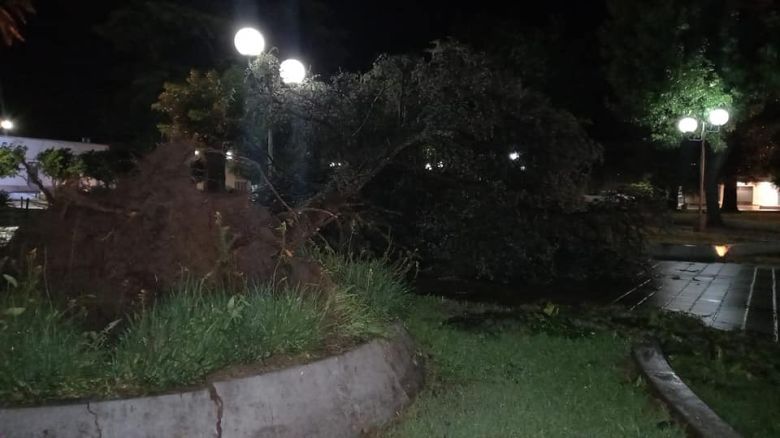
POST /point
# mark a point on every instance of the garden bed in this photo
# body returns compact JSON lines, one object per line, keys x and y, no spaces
{"x":195,"y":334}
{"x":341,"y":396}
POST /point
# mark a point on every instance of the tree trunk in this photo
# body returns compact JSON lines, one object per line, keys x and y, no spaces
{"x":730,"y":194}
{"x":714,"y":164}
{"x":32,"y":174}
{"x":323,"y":208}
{"x":215,"y":171}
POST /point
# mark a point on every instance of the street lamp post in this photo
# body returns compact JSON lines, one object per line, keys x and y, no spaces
{"x":688,"y":125}
{"x":250,"y":42}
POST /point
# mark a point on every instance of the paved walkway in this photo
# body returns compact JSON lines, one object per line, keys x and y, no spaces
{"x":727,"y":296}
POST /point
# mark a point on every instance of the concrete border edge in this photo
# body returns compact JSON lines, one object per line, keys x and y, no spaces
{"x":338,"y":396}
{"x":684,"y":404}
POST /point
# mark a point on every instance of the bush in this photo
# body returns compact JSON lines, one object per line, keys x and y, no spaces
{"x":491,"y":237}
{"x":603,"y":243}
{"x":5,"y":199}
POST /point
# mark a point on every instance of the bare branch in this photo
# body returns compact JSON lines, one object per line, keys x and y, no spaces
{"x":32,"y":174}
{"x":370,"y":110}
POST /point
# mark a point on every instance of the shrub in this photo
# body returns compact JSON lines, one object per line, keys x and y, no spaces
{"x":603,"y":243}
{"x":5,"y":199}
{"x":492,"y":238}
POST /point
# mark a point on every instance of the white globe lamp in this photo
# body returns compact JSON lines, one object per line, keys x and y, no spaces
{"x":249,"y":42}
{"x":687,"y":124}
{"x":719,"y":117}
{"x":292,"y":71}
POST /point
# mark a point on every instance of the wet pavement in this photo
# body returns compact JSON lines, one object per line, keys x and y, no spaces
{"x":726,"y":296}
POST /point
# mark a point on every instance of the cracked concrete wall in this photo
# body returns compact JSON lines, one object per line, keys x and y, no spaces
{"x":335,"y":397}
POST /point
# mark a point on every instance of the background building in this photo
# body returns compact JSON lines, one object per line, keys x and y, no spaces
{"x":20,"y":186}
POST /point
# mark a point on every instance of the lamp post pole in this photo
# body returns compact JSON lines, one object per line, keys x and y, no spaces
{"x":702,"y":217}
{"x":688,"y":125}
{"x":250,"y":42}
{"x":270,"y":150}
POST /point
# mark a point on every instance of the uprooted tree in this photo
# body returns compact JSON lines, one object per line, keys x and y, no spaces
{"x":336,"y":135}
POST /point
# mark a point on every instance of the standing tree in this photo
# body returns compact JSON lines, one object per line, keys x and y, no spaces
{"x":207,"y":110}
{"x":671,"y":58}
{"x":106,"y":166}
{"x":10,"y":160}
{"x":659,"y":72}
{"x":61,"y":165}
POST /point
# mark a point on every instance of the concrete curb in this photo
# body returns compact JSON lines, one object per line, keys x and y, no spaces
{"x":340,"y":396}
{"x":684,"y":404}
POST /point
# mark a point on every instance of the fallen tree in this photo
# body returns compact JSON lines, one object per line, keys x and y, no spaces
{"x":334,"y":137}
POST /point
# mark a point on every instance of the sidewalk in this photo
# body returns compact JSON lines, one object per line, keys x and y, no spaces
{"x":726,"y":296}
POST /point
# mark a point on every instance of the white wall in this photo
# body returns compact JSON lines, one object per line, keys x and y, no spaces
{"x":35,"y":146}
{"x":765,"y":194}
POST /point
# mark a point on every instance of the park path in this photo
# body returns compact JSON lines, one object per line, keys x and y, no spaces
{"x":726,"y":296}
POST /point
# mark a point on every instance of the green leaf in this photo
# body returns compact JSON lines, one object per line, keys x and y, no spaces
{"x":12,"y":281}
{"x":14,"y":311}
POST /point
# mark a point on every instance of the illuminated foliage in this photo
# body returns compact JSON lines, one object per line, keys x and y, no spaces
{"x":60,"y":164}
{"x":205,"y":108}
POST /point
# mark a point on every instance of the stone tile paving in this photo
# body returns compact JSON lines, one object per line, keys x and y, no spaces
{"x":726,"y":296}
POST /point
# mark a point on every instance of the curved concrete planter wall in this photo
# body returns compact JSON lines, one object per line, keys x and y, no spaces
{"x":684,"y":404}
{"x":335,"y":397}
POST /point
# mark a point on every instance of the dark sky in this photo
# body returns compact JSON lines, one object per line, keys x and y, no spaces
{"x":65,"y":81}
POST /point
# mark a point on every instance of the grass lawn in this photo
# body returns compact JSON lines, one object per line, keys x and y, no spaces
{"x":685,"y":235}
{"x":504,"y":380}
{"x":744,"y":226}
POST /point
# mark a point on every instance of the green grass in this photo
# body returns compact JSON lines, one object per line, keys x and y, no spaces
{"x":749,"y":405}
{"x":513,"y":380}
{"x":490,"y":362}
{"x":738,"y":377}
{"x":44,"y":354}
{"x":377,"y":282}
{"x":745,"y":226}
{"x":190,"y":333}
{"x":196,"y":331}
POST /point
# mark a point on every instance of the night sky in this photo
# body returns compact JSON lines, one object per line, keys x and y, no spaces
{"x":67,"y":81}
